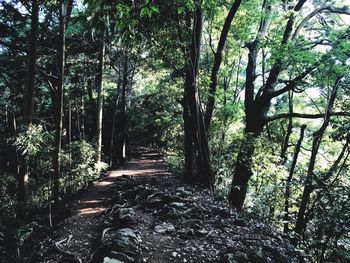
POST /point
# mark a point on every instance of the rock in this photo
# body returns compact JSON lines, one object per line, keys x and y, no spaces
{"x":126,"y":213}
{"x":124,"y":217}
{"x":164,"y":228}
{"x":178,"y":205}
{"x":175,"y":254}
{"x":256,"y":255}
{"x":121,"y":256}
{"x":124,"y":240}
{"x":111,"y":260}
{"x":127,"y":239}
{"x":241,"y":257}
{"x":237,"y":257}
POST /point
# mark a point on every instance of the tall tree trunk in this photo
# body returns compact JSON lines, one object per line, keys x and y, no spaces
{"x":28,"y":110}
{"x":83,"y":116}
{"x":308,"y":188}
{"x":217,"y":62}
{"x":100,"y":99}
{"x":77,"y":111}
{"x":115,"y":115}
{"x":289,"y":129}
{"x":121,"y":120}
{"x":12,"y":162}
{"x":59,"y":105}
{"x":188,"y":145}
{"x":15,"y":150}
{"x":289,"y":180}
{"x":69,"y":123}
{"x":256,"y":107}
{"x":199,"y":136}
{"x":113,"y":134}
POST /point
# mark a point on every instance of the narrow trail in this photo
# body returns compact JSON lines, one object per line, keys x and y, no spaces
{"x":142,"y":213}
{"x":79,"y":232}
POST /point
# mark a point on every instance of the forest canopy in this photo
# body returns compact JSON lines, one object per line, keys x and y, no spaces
{"x":248,"y":98}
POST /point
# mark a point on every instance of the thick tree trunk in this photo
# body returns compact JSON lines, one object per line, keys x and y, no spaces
{"x":289,"y":180}
{"x":28,"y":111}
{"x":242,"y":172}
{"x":204,"y":174}
{"x":256,"y":107}
{"x":100,"y":99}
{"x":115,"y":116}
{"x":59,"y":105}
{"x":121,"y":120}
{"x":255,"y":121}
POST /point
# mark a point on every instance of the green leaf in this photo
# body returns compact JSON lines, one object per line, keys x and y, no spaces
{"x":155,"y":9}
{"x":180,"y":10}
{"x":144,"y":11}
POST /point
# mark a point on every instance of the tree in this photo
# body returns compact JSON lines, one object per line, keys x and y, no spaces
{"x":257,"y":105}
{"x":217,"y":62}
{"x":289,"y":180}
{"x":316,"y":142}
{"x":64,"y":14}
{"x":28,"y":110}
{"x":193,"y":116}
{"x":121,"y":116}
{"x":100,"y":95}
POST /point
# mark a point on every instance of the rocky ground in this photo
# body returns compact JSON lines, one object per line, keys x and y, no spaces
{"x":141,"y":213}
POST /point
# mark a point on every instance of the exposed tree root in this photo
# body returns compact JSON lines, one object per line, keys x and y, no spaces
{"x":70,"y":255}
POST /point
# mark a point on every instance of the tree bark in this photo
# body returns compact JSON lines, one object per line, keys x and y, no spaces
{"x":100,"y":98}
{"x":289,"y":129}
{"x":28,"y":111}
{"x":121,"y":120}
{"x":217,"y":63}
{"x":77,"y":112}
{"x":308,"y":188}
{"x":113,"y":134}
{"x":59,"y":104}
{"x":256,"y":108}
{"x":289,"y":180}
{"x":204,"y":174}
{"x":188,"y":145}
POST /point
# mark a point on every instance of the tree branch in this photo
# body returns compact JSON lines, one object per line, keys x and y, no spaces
{"x":344,"y":10}
{"x":305,"y":115}
{"x":217,"y":62}
{"x":292,"y":83}
{"x":278,"y":64}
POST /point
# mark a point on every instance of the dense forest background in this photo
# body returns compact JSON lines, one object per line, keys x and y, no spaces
{"x":247,"y":98}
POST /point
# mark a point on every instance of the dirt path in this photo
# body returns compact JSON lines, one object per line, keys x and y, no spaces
{"x":79,"y":232}
{"x":142,"y":213}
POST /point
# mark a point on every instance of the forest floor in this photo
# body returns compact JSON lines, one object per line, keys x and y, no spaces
{"x":142,"y":213}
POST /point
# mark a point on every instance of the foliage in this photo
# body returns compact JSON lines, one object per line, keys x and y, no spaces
{"x":156,"y":35}
{"x":78,"y":166}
